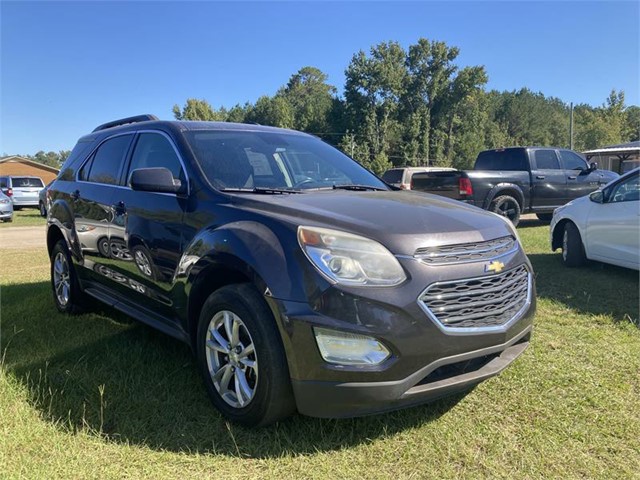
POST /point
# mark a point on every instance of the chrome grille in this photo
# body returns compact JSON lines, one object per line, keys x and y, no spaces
{"x":488,"y":301}
{"x":465,"y":252}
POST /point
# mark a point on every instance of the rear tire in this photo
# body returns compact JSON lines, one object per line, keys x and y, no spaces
{"x":572,"y":249}
{"x":508,"y":207}
{"x":544,"y":217}
{"x":246,"y":372}
{"x":67,"y":294}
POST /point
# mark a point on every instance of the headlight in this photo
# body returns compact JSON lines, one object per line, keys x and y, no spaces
{"x":509,"y":225}
{"x":4,"y":200}
{"x":85,"y":228}
{"x":350,"y":259}
{"x":349,"y":348}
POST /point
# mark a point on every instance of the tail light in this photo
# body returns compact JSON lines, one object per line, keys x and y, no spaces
{"x":9,"y":192}
{"x":464,"y":185}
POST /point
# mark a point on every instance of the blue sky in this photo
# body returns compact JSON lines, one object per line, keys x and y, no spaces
{"x":69,"y":66}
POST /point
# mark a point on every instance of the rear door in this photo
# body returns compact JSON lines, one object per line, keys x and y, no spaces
{"x":26,"y":190}
{"x":93,"y":212}
{"x":548,"y":178}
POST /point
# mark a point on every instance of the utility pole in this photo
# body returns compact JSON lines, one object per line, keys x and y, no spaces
{"x":571,"y":128}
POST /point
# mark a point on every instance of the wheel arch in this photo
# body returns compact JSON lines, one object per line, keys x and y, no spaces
{"x":241,"y":252}
{"x":505,"y":189}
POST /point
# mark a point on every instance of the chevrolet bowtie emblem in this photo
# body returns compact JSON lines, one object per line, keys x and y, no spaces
{"x":495,"y":267}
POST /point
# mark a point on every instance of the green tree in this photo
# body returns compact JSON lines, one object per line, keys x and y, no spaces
{"x":311,"y":99}
{"x":53,"y":159}
{"x":195,"y":109}
{"x":275,"y":111}
{"x":631,"y":131}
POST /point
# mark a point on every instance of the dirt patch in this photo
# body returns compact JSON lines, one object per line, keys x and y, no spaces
{"x":21,"y":238}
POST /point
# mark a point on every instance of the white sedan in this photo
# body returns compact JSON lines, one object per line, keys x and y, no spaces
{"x":603,"y":226}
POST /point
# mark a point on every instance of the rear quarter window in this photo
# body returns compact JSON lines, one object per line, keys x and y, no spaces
{"x":508,"y":159}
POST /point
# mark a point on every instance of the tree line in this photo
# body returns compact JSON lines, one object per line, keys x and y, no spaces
{"x":417,"y":106}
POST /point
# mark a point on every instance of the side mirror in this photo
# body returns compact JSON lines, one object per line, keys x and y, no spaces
{"x":157,"y":179}
{"x":597,"y":196}
{"x":593,"y":166}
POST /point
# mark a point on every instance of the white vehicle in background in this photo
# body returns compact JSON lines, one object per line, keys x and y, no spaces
{"x":6,"y":208}
{"x":603,"y":226}
{"x":401,"y":176}
{"x":23,"y":190}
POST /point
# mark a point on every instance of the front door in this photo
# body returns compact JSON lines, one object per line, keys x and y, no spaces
{"x":150,"y":225}
{"x":613,"y":227}
{"x":581,"y":180}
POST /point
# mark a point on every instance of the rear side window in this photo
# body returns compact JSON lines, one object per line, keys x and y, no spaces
{"x":25,"y":182}
{"x":546,"y":160}
{"x":572,"y":161}
{"x":393,"y":176}
{"x":154,"y":150}
{"x":105,"y":164}
{"x":3,"y":182}
{"x":509,"y":159}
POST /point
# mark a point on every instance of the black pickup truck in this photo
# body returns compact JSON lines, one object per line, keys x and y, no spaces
{"x":511,"y":181}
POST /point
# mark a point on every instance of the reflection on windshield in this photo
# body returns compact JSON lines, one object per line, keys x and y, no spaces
{"x":272,"y":162}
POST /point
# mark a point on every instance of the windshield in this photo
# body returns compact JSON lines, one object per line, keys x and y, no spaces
{"x":266,"y":160}
{"x":27,"y":182}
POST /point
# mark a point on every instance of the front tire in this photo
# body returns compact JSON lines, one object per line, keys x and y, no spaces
{"x":508,"y":207}
{"x":67,"y":294}
{"x":572,"y":249}
{"x":241,"y":357}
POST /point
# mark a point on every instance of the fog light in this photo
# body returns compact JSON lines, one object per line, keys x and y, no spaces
{"x":349,"y":348}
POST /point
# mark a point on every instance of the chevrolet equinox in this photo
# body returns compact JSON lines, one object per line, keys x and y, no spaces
{"x":300,"y":280}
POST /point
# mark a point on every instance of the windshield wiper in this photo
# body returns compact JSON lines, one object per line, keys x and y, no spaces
{"x":356,"y":187}
{"x":262,"y":190}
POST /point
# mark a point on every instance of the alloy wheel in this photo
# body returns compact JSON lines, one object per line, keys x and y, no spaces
{"x":61,"y":279}
{"x":231,"y":359}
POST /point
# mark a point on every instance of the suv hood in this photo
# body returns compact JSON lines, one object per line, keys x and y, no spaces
{"x":401,"y":221}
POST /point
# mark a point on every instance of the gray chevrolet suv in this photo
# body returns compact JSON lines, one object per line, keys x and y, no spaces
{"x":300,"y":280}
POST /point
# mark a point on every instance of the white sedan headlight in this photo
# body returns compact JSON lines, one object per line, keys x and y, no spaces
{"x":350,"y":259}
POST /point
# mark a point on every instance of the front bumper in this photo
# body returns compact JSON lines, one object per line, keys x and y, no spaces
{"x":426,"y":362}
{"x":440,"y":378}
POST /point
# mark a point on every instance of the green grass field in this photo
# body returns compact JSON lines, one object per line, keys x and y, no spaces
{"x":25,"y":217}
{"x":99,"y":396}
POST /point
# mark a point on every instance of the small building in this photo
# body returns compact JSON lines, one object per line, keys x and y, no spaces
{"x":20,"y":166}
{"x":618,"y":158}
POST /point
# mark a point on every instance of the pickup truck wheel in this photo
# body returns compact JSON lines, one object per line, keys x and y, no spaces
{"x":572,"y":249}
{"x":241,"y":357}
{"x":544,"y":217}
{"x":508,"y":207}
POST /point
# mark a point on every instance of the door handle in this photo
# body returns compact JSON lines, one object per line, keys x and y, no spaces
{"x":541,"y":177}
{"x":75,"y":195}
{"x":572,"y":177}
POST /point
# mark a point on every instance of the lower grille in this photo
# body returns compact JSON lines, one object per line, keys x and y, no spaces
{"x":479,"y":302}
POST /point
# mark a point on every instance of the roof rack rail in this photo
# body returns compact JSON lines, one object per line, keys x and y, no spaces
{"x":124,"y":121}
